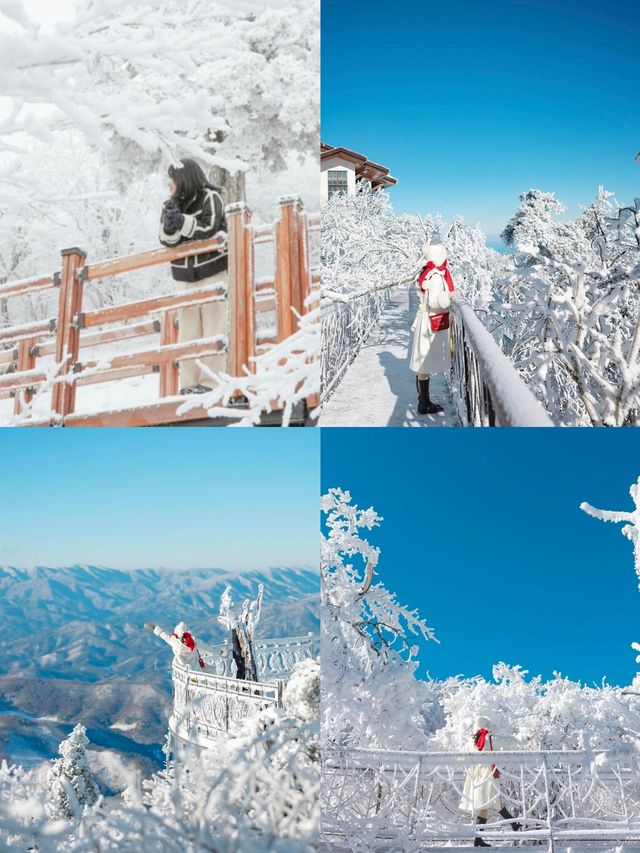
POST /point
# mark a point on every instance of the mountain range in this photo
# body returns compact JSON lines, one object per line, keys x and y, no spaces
{"x":73,"y":649}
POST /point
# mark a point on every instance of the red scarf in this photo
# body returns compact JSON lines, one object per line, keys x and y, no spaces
{"x":481,"y":739}
{"x":190,"y":643}
{"x":443,"y":268}
{"x":187,"y":640}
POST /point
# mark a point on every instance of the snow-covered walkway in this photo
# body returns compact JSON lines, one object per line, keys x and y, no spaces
{"x":378,"y":389}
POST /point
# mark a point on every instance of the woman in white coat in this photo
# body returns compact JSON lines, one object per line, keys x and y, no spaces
{"x":430,"y":351}
{"x":481,"y":790}
{"x":183,"y":644}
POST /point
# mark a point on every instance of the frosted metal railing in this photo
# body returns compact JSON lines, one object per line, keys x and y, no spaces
{"x":345,"y":327}
{"x":274,"y":658}
{"x":205,"y":704}
{"x":487,"y":389}
{"x":376,"y":797}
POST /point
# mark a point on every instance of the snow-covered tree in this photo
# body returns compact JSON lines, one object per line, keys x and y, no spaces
{"x":630,"y":520}
{"x":241,"y":623}
{"x":554,"y":714}
{"x":572,"y":311}
{"x":370,"y":695}
{"x":257,"y":789}
{"x":70,"y":783}
{"x":631,"y":529}
{"x":534,"y":224}
{"x":149,"y":80}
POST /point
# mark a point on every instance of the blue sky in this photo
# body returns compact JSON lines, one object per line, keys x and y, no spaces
{"x":484,"y":535}
{"x":471,"y":103}
{"x":179,"y":498}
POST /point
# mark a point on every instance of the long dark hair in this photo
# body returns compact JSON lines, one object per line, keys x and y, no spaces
{"x":189,"y":179}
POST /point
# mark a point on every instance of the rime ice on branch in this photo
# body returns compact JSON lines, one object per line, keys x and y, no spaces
{"x":370,"y":694}
{"x":631,"y":519}
{"x":242,"y":624}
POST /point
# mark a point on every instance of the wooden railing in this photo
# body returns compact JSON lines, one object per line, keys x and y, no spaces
{"x":45,"y":356}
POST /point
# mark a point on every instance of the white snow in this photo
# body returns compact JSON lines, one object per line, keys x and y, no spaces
{"x":378,"y":389}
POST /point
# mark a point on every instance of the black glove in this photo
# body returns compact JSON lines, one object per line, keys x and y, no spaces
{"x":172,"y":219}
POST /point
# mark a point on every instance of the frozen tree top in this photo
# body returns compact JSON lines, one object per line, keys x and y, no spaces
{"x":247,"y":614}
{"x":630,"y":519}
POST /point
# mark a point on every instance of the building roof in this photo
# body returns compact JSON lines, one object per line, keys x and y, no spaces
{"x":375,"y":173}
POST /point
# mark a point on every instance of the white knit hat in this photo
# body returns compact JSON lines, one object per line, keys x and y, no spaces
{"x":481,"y":723}
{"x":435,"y":252}
{"x":180,"y":629}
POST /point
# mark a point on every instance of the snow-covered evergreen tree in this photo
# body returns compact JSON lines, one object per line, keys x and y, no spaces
{"x":70,"y":783}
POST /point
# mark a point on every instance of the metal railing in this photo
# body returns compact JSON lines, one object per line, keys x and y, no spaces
{"x":487,"y":389}
{"x":274,"y":658}
{"x":204,"y":704}
{"x":376,"y":797}
{"x":346,"y":325}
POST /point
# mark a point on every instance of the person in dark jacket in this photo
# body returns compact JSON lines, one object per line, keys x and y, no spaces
{"x":195,"y":211}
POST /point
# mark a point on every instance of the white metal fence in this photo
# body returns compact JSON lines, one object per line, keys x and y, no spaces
{"x":274,"y":658}
{"x":487,"y":389}
{"x":346,"y":325}
{"x":207,"y":703}
{"x":204,"y":704}
{"x":376,"y":799}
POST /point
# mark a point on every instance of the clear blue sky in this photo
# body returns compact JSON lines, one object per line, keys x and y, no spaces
{"x":494,"y":550}
{"x":179,"y":498}
{"x":471,"y":103}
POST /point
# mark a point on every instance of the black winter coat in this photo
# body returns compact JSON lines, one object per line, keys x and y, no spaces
{"x":203,"y":218}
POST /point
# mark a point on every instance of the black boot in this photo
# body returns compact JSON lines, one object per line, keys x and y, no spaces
{"x":506,"y":815}
{"x":477,"y":841}
{"x":425,"y":406}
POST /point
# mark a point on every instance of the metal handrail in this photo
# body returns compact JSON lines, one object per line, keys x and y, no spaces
{"x":487,"y":389}
{"x":423,"y":797}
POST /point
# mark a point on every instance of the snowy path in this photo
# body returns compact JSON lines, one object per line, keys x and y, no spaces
{"x":378,"y":389}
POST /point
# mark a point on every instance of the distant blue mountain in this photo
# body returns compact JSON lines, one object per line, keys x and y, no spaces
{"x":74,"y":648}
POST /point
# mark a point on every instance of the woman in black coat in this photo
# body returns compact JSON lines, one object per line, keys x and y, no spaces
{"x":195,"y":211}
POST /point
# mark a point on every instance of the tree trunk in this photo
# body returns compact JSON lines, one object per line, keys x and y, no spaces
{"x":232,"y":184}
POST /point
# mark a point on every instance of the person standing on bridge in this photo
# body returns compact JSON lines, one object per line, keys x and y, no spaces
{"x":195,"y":211}
{"x":481,"y":790}
{"x":430,"y":351}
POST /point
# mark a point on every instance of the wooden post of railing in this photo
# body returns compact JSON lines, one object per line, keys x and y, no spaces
{"x":169,"y":373}
{"x":290,"y":263}
{"x":26,"y":361}
{"x":240,"y":308}
{"x":68,"y":336}
{"x":307,"y":286}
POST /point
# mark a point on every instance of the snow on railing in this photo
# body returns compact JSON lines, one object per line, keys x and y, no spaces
{"x":487,"y":389}
{"x":42,"y":361}
{"x":347,"y":322}
{"x":205,"y":704}
{"x":376,"y":797}
{"x":274,"y":658}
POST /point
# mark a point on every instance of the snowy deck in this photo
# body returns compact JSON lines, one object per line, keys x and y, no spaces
{"x":378,"y":388}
